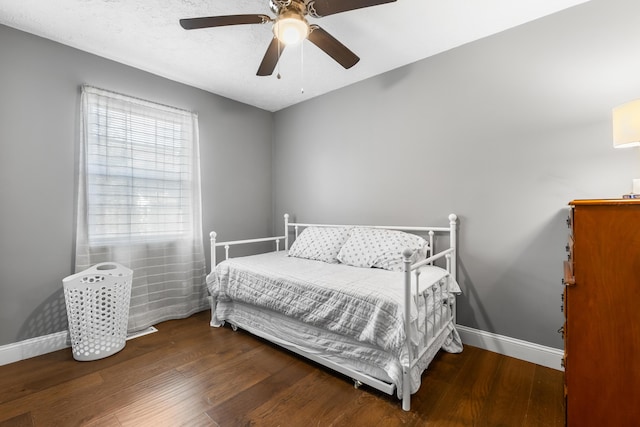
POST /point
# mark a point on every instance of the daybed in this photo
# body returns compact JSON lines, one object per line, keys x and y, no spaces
{"x":375,"y":303}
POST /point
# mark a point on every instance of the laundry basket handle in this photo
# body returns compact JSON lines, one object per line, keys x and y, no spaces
{"x":106,"y":266}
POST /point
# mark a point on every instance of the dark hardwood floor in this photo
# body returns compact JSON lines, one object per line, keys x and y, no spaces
{"x":189,"y":374}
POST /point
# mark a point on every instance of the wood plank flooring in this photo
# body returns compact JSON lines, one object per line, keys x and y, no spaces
{"x":189,"y":374}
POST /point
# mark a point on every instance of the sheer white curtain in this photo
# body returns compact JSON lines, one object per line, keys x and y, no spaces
{"x":139,"y":202}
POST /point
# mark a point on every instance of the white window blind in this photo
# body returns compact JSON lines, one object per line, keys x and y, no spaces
{"x":139,"y":202}
{"x":139,"y":172}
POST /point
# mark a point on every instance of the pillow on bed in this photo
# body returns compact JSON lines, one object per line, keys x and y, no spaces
{"x":380,"y":248}
{"x":320,"y":243}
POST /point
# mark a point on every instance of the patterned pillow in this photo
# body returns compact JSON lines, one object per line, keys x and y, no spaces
{"x":320,"y":243}
{"x":373,"y":247}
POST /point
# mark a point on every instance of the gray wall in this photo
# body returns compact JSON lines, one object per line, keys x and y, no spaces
{"x":39,"y":101}
{"x":504,"y":132}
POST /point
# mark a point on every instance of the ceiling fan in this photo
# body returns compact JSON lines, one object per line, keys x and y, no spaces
{"x":290,"y":27}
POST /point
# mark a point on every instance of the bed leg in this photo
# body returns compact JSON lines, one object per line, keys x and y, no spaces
{"x":406,"y":389}
{"x":406,"y":403}
{"x":357,"y":384}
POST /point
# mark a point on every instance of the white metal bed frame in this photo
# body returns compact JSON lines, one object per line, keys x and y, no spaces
{"x":440,"y":322}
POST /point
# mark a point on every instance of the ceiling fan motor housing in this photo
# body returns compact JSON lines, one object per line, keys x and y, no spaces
{"x":279,"y":6}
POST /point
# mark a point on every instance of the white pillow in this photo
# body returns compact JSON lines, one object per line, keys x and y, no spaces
{"x":320,"y":243}
{"x":380,"y":248}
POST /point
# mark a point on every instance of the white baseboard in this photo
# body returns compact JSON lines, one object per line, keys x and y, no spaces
{"x":523,"y":350}
{"x":46,"y":344}
{"x":33,"y":347}
{"x":534,"y":353}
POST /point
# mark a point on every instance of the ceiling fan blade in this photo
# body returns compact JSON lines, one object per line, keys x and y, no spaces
{"x":221,"y":21}
{"x":332,"y":47}
{"x":320,"y":8}
{"x":271,"y":58}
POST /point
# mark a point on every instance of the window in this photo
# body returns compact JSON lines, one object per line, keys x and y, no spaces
{"x":139,"y":173}
{"x":139,"y":202}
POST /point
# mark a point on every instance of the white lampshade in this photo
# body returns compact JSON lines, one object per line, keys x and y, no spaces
{"x":626,"y":125}
{"x":291,"y":29}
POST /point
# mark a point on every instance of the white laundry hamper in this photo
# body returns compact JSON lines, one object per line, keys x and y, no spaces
{"x":97,"y":302}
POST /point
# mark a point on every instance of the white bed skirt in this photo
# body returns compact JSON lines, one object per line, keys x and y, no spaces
{"x":309,"y":340}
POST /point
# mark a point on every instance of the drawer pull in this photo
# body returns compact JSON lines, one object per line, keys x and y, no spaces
{"x":568,"y":279}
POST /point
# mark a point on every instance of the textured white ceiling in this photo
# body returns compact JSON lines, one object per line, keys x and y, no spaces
{"x":145,"y":34}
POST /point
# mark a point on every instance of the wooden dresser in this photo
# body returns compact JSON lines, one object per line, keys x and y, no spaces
{"x":602,"y":314}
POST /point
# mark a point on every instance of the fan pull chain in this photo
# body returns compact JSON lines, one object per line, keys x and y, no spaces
{"x":278,"y":63}
{"x":301,"y":67}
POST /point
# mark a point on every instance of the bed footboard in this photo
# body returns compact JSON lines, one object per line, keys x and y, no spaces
{"x":227,"y":245}
{"x":441,"y":316}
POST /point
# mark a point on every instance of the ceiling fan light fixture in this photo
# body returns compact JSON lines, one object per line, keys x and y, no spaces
{"x":291,"y":29}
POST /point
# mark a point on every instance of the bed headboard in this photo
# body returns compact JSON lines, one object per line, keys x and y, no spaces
{"x":431,"y":231}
